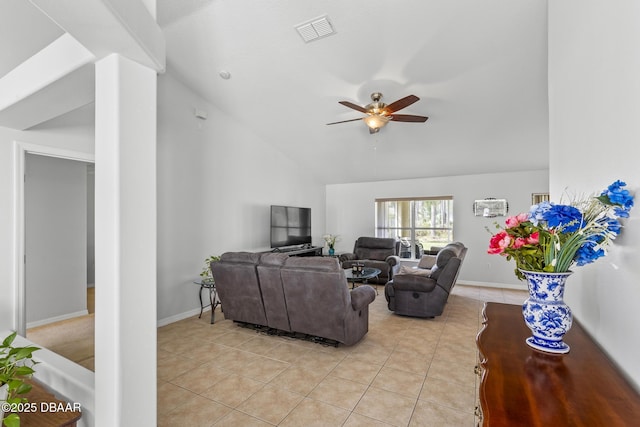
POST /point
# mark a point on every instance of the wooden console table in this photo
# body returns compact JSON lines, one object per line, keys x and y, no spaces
{"x":51,"y":411}
{"x":524,"y":387}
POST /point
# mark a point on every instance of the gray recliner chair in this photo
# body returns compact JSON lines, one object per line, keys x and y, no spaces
{"x":275,"y":306}
{"x":375,"y":252}
{"x":238,"y":287}
{"x":320,"y":303}
{"x":424,"y":291}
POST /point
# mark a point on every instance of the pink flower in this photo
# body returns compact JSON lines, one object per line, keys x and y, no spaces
{"x":499,"y":242}
{"x":534,"y":238}
{"x":514,"y":221}
{"x":519,"y":242}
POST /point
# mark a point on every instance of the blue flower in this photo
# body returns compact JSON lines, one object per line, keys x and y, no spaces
{"x":569,"y":218}
{"x":621,"y":212}
{"x":537,"y":212}
{"x":611,"y":224}
{"x":616,"y":195}
{"x":587,"y":253}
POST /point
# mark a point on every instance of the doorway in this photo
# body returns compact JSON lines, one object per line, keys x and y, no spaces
{"x":22,"y":150}
{"x":57,"y":240}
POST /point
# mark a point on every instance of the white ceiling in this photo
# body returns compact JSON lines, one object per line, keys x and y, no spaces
{"x":479,"y":67}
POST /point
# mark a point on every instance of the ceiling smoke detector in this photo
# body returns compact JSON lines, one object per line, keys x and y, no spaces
{"x":315,"y":29}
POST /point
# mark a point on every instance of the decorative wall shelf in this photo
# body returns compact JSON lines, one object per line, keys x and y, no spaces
{"x":490,"y":207}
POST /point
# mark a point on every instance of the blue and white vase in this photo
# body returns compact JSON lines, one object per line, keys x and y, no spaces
{"x":545,"y":312}
{"x":331,"y":251}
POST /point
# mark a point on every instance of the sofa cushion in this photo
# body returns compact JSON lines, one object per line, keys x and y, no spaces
{"x":275,"y":259}
{"x":427,"y":261}
{"x":314,"y":263}
{"x":375,"y":248}
{"x":242,"y":257}
{"x":407,"y":282}
{"x":377,"y":243}
{"x":373,"y":253}
{"x":405,"y":269}
{"x":444,"y":256}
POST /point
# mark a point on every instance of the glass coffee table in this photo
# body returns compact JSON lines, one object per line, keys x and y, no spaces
{"x":362,"y":277}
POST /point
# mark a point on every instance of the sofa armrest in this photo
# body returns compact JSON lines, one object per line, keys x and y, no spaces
{"x":362,"y":296}
{"x":393,"y":260}
{"x":346,"y":257}
{"x":414,"y":283}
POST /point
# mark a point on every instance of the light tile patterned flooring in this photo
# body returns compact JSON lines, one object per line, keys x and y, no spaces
{"x":405,"y":372}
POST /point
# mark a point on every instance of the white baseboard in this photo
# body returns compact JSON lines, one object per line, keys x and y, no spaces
{"x":522,"y":287}
{"x":180,"y":316}
{"x":57,"y":318}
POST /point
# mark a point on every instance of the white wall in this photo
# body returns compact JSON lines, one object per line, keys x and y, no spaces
{"x":71,"y":137}
{"x":350,"y":214}
{"x":214,"y":191}
{"x":594,"y":64}
{"x":56,"y":238}
{"x":216,"y":181}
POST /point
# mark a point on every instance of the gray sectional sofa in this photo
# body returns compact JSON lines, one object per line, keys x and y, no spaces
{"x":298,"y":295}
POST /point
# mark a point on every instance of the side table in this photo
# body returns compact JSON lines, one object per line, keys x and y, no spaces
{"x":213,"y":296}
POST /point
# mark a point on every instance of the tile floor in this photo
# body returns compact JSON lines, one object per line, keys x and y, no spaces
{"x":405,"y":372}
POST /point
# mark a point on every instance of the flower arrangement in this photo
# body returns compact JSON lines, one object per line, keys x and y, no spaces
{"x":330,"y":239}
{"x":553,"y":237}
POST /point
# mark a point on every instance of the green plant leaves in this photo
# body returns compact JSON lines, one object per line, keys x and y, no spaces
{"x":16,"y":364}
{"x":12,"y":420}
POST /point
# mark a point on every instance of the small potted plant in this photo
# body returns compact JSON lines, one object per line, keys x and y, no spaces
{"x":206,"y":274}
{"x":16,"y":365}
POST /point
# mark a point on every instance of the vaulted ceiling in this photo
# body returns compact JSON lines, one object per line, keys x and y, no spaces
{"x":479,"y":68}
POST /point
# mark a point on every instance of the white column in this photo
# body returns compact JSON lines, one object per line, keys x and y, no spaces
{"x":125,"y":327}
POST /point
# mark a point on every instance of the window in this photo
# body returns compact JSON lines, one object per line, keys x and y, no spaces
{"x":418,"y":223}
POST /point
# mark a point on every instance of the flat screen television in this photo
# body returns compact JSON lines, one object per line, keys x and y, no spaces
{"x":290,"y":226}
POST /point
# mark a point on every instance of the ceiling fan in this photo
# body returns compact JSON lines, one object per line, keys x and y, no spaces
{"x":378,"y":114}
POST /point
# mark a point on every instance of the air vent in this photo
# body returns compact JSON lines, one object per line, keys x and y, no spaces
{"x":315,"y":29}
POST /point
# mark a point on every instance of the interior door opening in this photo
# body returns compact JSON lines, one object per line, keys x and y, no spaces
{"x":58,"y":278}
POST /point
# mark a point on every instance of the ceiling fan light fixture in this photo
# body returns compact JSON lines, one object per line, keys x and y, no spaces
{"x":376,"y":121}
{"x":378,"y":114}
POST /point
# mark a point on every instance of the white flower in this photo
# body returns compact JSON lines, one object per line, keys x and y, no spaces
{"x":330,"y":239}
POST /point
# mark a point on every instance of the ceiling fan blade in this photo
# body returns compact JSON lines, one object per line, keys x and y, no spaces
{"x":354,"y":106}
{"x":408,"y":118}
{"x":344,"y":121}
{"x":401,"y":103}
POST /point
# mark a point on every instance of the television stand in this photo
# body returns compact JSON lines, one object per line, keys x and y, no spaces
{"x":300,"y":251}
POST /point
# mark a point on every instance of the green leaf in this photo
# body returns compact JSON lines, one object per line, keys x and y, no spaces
{"x":24,"y":371}
{"x":24,"y":388}
{"x":13,"y":383}
{"x":12,"y":420}
{"x":605,"y":200}
{"x":25,"y":352}
{"x":8,"y":340}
